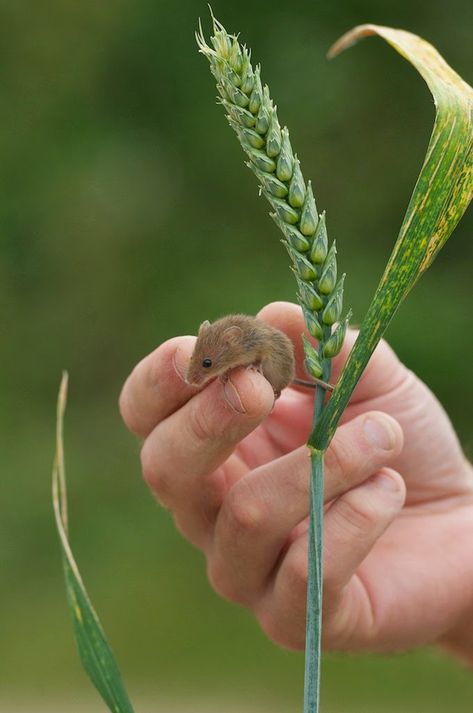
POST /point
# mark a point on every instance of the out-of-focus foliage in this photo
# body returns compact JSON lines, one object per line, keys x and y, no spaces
{"x":124,"y":221}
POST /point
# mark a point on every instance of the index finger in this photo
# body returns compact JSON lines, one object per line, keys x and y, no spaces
{"x":156,"y":386}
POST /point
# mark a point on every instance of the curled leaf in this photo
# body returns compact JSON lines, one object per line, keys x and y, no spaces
{"x":441,"y":195}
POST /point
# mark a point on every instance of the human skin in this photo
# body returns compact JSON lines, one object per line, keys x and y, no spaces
{"x":232,"y":467}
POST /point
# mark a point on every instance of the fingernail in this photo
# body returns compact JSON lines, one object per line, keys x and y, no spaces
{"x":232,"y":397}
{"x":384,"y":481}
{"x":379,"y":433}
{"x":180,"y":363}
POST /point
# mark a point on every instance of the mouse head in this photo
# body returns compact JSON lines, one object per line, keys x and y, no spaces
{"x":216,"y":350}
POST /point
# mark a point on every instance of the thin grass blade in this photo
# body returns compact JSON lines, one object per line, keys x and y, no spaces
{"x":441,"y":195}
{"x":94,"y":650}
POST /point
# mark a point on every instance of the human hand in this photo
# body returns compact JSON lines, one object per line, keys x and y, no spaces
{"x":398,"y":562}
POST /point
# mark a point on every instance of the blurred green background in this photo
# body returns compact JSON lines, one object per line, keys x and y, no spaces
{"x":128,"y":217}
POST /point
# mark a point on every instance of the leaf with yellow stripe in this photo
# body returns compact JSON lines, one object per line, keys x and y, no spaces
{"x":94,"y":649}
{"x":441,"y":195}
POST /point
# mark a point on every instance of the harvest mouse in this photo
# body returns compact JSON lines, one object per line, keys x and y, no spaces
{"x":240,"y":340}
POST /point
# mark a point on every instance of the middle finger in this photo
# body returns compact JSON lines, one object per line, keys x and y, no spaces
{"x":262,"y":509}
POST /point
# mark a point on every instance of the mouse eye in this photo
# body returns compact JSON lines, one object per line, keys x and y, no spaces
{"x":207,"y":363}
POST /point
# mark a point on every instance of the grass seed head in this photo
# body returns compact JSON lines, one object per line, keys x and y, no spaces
{"x":254,"y":118}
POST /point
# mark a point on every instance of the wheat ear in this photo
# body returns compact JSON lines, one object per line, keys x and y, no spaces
{"x":253,"y":116}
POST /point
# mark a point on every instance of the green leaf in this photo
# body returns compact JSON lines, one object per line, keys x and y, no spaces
{"x":441,"y":195}
{"x":95,"y":652}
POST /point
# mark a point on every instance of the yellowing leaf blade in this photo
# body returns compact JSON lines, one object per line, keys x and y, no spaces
{"x":94,"y":649}
{"x":441,"y":195}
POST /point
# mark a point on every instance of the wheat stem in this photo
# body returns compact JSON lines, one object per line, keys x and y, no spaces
{"x":253,"y":115}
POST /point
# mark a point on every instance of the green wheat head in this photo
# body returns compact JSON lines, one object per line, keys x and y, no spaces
{"x":253,"y":115}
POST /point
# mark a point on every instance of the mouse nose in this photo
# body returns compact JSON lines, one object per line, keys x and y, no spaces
{"x":193,"y":379}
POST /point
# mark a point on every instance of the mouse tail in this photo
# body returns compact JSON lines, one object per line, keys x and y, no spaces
{"x":313,"y":384}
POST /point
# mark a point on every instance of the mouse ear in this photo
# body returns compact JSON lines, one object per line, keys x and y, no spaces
{"x":232,"y":335}
{"x":204,"y":326}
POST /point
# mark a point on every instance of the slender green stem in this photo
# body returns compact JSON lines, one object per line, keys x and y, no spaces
{"x":315,"y":557}
{"x":253,"y":115}
{"x":314,"y":586}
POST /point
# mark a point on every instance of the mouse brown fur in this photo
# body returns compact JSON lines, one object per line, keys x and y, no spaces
{"x":241,"y":340}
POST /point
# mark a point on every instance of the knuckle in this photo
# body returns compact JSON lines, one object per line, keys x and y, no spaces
{"x":156,"y":479}
{"x":283,"y":630}
{"x":355,"y":516}
{"x":221,"y":582}
{"x":339,"y":461}
{"x":242,"y":512}
{"x":296,"y":574}
{"x":213,"y":491}
{"x":291,"y":637}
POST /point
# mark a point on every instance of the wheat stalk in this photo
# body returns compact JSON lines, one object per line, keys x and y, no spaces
{"x":253,"y":115}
